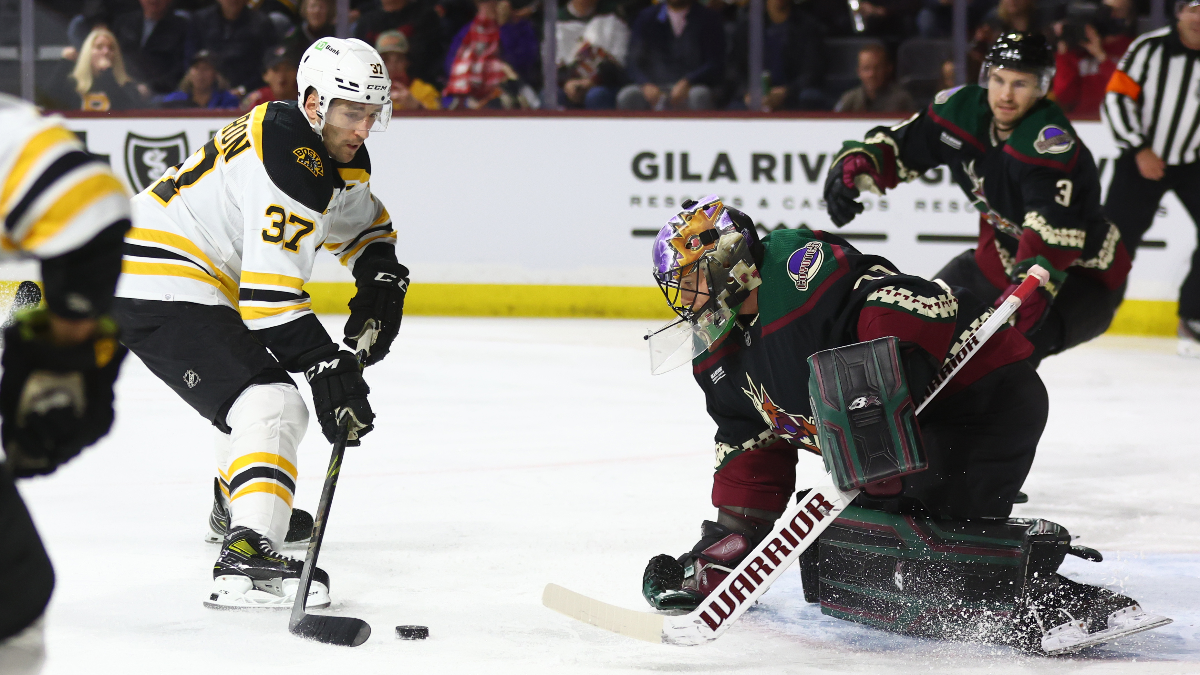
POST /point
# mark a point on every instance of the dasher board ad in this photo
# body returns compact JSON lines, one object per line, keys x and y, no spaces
{"x":576,"y":200}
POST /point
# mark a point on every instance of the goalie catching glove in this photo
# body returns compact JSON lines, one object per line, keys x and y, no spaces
{"x":382,"y":285}
{"x":56,"y":400}
{"x":338,"y":389}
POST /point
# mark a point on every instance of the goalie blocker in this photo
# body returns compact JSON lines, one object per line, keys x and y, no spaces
{"x":865,"y":417}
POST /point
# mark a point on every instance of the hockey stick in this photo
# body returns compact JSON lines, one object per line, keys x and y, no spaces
{"x":799,"y":526}
{"x":1038,"y":276}
{"x":335,"y":630}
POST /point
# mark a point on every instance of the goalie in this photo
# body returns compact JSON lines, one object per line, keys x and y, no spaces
{"x":927,"y":548}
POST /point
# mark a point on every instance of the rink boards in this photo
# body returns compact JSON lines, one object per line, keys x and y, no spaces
{"x":554,"y":216}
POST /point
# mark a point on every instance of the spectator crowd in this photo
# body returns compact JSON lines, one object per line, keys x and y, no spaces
{"x":625,"y":54}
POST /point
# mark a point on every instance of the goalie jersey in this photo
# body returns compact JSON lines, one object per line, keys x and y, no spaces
{"x":819,"y":292}
{"x":240,"y":222}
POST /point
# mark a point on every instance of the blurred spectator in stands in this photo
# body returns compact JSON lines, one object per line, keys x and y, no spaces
{"x":407,"y":93}
{"x":1016,"y":16}
{"x":1122,"y":26}
{"x":279,"y":73}
{"x":676,"y":58}
{"x":201,"y":87}
{"x":91,"y":14}
{"x":879,"y":92}
{"x":936,"y":17}
{"x":1090,"y":43}
{"x":237,"y":36}
{"x":949,"y":77}
{"x":99,"y":80}
{"x":518,"y":40}
{"x":420,"y":25}
{"x":156,"y":44}
{"x":891,"y":20}
{"x":318,"y":19}
{"x":834,"y":16}
{"x":284,"y":14}
{"x":1083,"y":69}
{"x":454,"y":15}
{"x":793,"y":64}
{"x":573,"y":18}
{"x":592,"y":43}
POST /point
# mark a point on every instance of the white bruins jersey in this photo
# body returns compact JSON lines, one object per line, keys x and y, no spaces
{"x":54,"y":197}
{"x":239,"y":223}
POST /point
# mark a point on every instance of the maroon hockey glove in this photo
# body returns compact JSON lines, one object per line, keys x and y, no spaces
{"x":681,"y":584}
{"x":857,"y":164}
{"x":1032,"y":312}
{"x":841,"y":194}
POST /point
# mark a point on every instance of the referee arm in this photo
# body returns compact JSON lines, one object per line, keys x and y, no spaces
{"x":1123,"y":103}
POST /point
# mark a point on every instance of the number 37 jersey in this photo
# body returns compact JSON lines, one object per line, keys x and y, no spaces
{"x":240,"y":222}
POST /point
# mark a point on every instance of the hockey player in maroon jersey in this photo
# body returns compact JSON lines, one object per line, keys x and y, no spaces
{"x":1035,"y":184}
{"x":929,"y":553}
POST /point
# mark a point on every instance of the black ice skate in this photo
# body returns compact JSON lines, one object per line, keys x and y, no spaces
{"x":299,"y":529}
{"x":250,"y":574}
{"x":1071,"y":616}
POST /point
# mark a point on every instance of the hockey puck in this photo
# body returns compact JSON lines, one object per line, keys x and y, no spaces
{"x":412,"y":632}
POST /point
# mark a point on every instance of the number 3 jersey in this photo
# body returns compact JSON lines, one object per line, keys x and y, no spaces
{"x":1037,"y":193}
{"x":240,"y":222}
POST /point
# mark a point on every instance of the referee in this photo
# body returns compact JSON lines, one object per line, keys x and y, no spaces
{"x":1153,"y":109}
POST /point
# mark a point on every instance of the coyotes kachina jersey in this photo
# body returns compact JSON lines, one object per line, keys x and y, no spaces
{"x":1038,"y":192}
{"x":240,"y":222}
{"x":819,"y":292}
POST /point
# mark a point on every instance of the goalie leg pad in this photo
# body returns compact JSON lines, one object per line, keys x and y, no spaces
{"x":865,"y":417}
{"x":963,"y":580}
{"x":267,"y":423}
{"x":981,"y":580}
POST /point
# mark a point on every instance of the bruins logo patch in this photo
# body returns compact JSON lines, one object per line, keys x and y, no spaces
{"x":309,"y":159}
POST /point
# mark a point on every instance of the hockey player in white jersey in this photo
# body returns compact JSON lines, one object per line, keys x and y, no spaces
{"x":212,"y":299}
{"x":61,"y":206}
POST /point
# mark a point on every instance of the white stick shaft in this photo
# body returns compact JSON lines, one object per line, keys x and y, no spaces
{"x":796,"y":530}
{"x":1037,"y":277}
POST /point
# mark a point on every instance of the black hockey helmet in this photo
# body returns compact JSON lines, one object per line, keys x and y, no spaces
{"x":1023,"y":52}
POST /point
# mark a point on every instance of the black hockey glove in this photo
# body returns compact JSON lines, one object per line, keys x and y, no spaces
{"x":841,"y":197}
{"x":55,"y":400}
{"x":381,"y":284}
{"x":338,"y":389}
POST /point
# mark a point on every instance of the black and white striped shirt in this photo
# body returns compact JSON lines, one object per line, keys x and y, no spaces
{"x":1153,"y":98}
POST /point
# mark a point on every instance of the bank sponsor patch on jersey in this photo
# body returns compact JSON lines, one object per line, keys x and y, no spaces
{"x":309,"y":159}
{"x":798,"y":429}
{"x":1053,"y":140}
{"x":804,"y":264}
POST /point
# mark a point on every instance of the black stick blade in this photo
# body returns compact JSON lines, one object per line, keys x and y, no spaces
{"x":343,"y":631}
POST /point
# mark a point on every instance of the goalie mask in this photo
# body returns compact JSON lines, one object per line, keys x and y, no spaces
{"x":704,"y":266}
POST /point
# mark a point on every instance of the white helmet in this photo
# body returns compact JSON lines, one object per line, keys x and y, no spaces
{"x":347,"y":69}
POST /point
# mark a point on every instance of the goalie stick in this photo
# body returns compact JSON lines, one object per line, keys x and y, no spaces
{"x":794,"y":532}
{"x":345,"y":631}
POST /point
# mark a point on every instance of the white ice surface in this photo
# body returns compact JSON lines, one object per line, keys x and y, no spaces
{"x":509,"y":453}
